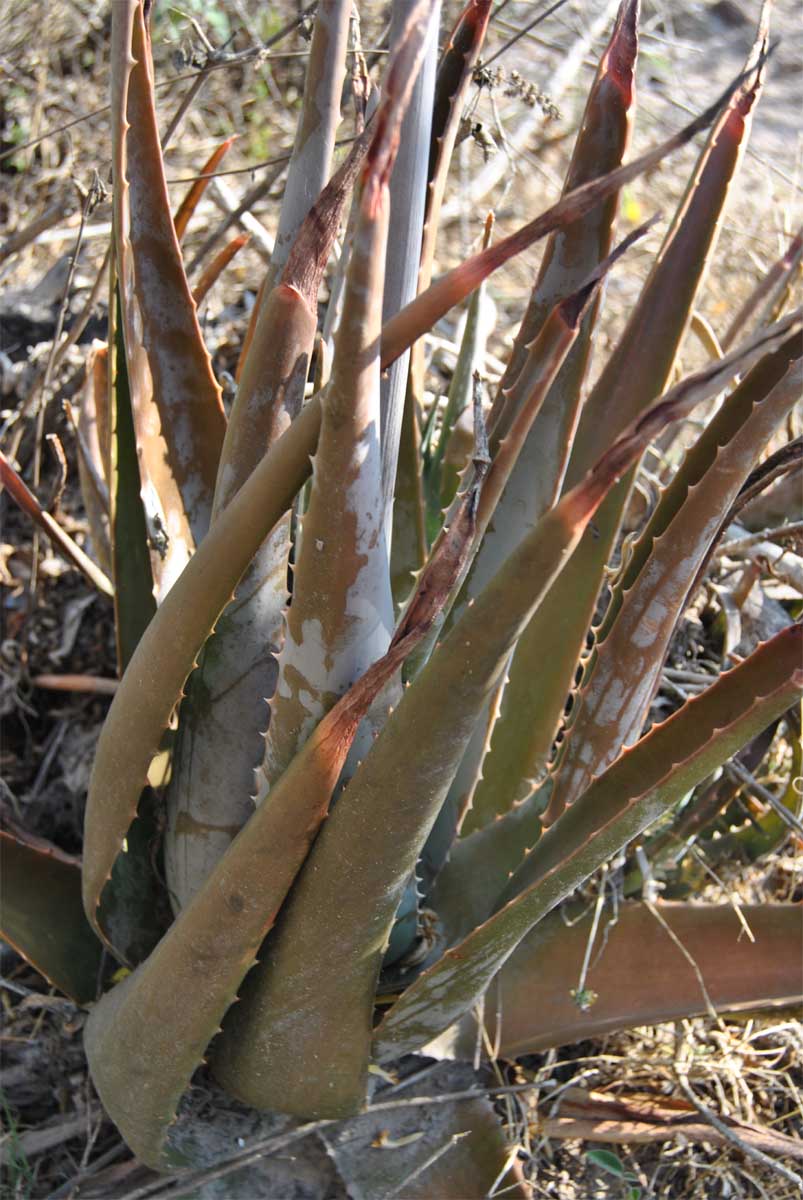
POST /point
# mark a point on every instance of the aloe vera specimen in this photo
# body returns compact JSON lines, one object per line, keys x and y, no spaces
{"x":286,"y":891}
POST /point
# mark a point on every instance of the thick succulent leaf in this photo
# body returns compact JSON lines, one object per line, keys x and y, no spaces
{"x":341,"y":617}
{"x":637,"y":371}
{"x":134,"y":602}
{"x":313,"y":1006}
{"x":143,"y":704}
{"x":639,"y":975}
{"x":178,"y":415}
{"x":166,"y":653}
{"x":408,"y":189}
{"x":311,"y":1001}
{"x":609,"y":711}
{"x":518,"y":743}
{"x":170,"y":1007}
{"x":642,"y":361}
{"x":145,"y":1038}
{"x":42,"y":918}
{"x":224,"y":715}
{"x":310,"y":162}
{"x":545,"y":357}
{"x":422,"y":313}
{"x":454,"y":1151}
{"x":641,"y":785}
{"x":570,"y":255}
{"x":482,"y":861}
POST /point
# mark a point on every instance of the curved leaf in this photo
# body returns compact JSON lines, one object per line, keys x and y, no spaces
{"x":224,"y":714}
{"x":569,"y":256}
{"x":638,"y":370}
{"x":42,"y":918}
{"x":304,"y":1021}
{"x":178,"y":414}
{"x":639,"y":975}
{"x":608,"y":711}
{"x":642,"y":784}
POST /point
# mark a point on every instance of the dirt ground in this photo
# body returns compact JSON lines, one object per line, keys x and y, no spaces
{"x":54,"y":143}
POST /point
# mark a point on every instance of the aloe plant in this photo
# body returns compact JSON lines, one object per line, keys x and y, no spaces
{"x":353,"y":865}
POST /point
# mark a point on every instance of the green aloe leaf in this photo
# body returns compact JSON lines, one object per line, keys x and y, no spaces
{"x":42,"y":918}
{"x":341,"y":617}
{"x":178,"y":414}
{"x":482,"y":860}
{"x":134,"y":602}
{"x":570,"y":255}
{"x":145,"y":1037}
{"x":408,"y":193}
{"x":306,"y":1013}
{"x":608,"y":711}
{"x":224,"y":715}
{"x":167,"y":653}
{"x":409,"y":536}
{"x":643,"y":783}
{"x":637,"y":371}
{"x":639,"y":974}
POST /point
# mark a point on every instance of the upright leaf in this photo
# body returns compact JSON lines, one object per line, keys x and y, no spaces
{"x":611,"y":706}
{"x":408,"y":189}
{"x":638,"y":370}
{"x":304,"y":1021}
{"x":145,"y":1038}
{"x":224,"y":715}
{"x":178,"y":415}
{"x":642,"y":784}
{"x":311,"y":158}
{"x":570,"y":254}
{"x":341,"y":616}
